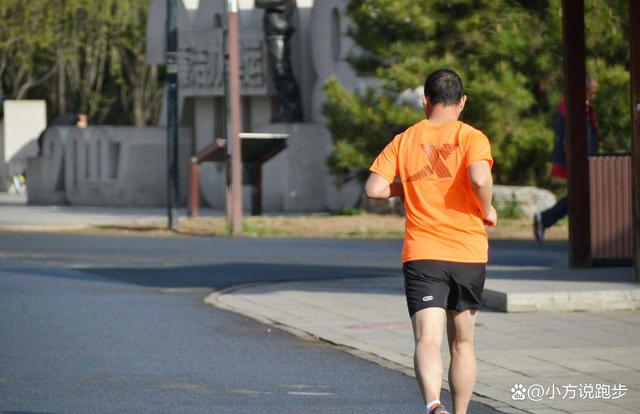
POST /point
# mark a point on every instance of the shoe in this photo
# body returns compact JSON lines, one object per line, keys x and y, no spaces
{"x":438,"y":409}
{"x":538,"y":227}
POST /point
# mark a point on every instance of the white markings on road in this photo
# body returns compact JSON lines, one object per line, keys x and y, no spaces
{"x":189,"y":387}
{"x":309,"y":393}
{"x":303,"y":386}
{"x":250,"y":392}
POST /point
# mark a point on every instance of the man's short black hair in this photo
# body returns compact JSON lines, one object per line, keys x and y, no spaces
{"x":443,"y":86}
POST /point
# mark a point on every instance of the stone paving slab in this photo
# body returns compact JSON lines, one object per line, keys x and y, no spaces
{"x":370,"y":316}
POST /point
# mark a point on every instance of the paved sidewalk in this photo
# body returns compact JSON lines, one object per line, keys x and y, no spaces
{"x":16,"y":215}
{"x":562,"y":349}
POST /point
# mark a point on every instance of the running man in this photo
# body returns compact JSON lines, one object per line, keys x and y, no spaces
{"x":444,"y":171}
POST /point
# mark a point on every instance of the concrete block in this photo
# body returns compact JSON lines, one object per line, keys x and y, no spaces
{"x":587,"y":301}
{"x":528,"y":199}
{"x":23,"y":122}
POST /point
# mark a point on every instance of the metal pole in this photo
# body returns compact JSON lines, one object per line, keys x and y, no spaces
{"x":256,"y":202}
{"x":234,"y":102}
{"x":576,"y":133}
{"x":172,"y":113}
{"x":634,"y":46}
{"x":225,"y":126}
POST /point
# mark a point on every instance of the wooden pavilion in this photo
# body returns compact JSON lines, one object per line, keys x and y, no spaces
{"x":604,"y":204}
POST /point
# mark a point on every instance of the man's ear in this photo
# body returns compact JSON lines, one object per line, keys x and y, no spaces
{"x":426,"y":105}
{"x":463,"y":101}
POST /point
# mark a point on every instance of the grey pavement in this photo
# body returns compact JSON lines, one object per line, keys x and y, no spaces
{"x":556,"y":351}
{"x":72,"y":342}
{"x":112,"y":324}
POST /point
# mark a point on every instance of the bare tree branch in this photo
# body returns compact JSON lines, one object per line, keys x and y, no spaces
{"x":32,"y":83}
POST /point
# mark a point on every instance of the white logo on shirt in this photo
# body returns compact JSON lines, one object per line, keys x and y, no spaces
{"x":427,"y":298}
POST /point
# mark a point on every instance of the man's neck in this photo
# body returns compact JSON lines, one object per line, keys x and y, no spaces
{"x":443,"y":114}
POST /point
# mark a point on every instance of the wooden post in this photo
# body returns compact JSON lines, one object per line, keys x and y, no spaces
{"x":234,"y":104}
{"x":634,"y":46}
{"x":227,"y":192}
{"x":194,"y":188}
{"x":576,"y":133}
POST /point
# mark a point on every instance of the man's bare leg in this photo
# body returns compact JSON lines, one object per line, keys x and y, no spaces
{"x":462,"y":371}
{"x":428,"y":327}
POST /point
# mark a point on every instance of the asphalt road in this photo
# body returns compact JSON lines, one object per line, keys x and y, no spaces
{"x":116,"y":325}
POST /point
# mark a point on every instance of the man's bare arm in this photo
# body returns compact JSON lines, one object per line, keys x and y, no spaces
{"x":379,"y":188}
{"x":482,"y":189}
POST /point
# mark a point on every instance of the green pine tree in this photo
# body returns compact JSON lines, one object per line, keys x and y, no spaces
{"x":509,"y":54}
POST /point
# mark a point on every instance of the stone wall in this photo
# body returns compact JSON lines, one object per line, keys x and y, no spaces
{"x":105,"y":166}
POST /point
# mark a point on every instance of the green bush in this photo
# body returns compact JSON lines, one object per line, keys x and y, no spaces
{"x":510,"y":210}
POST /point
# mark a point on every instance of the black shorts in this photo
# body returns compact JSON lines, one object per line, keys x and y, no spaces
{"x":443,"y":284}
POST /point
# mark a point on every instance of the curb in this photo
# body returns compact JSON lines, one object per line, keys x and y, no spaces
{"x":26,"y":228}
{"x":576,"y":301}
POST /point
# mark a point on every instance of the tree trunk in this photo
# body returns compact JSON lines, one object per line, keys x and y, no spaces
{"x":62,"y":90}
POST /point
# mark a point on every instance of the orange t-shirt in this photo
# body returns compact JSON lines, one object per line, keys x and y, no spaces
{"x":443,"y":219}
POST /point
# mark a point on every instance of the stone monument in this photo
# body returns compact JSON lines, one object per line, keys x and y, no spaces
{"x":281,"y":84}
{"x":296,"y":179}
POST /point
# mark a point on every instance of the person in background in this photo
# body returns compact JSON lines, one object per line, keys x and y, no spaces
{"x":82,"y":121}
{"x":545,"y":219}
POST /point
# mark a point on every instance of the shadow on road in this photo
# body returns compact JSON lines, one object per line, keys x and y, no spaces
{"x":23,"y":412}
{"x":217,"y":263}
{"x":219,"y":276}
